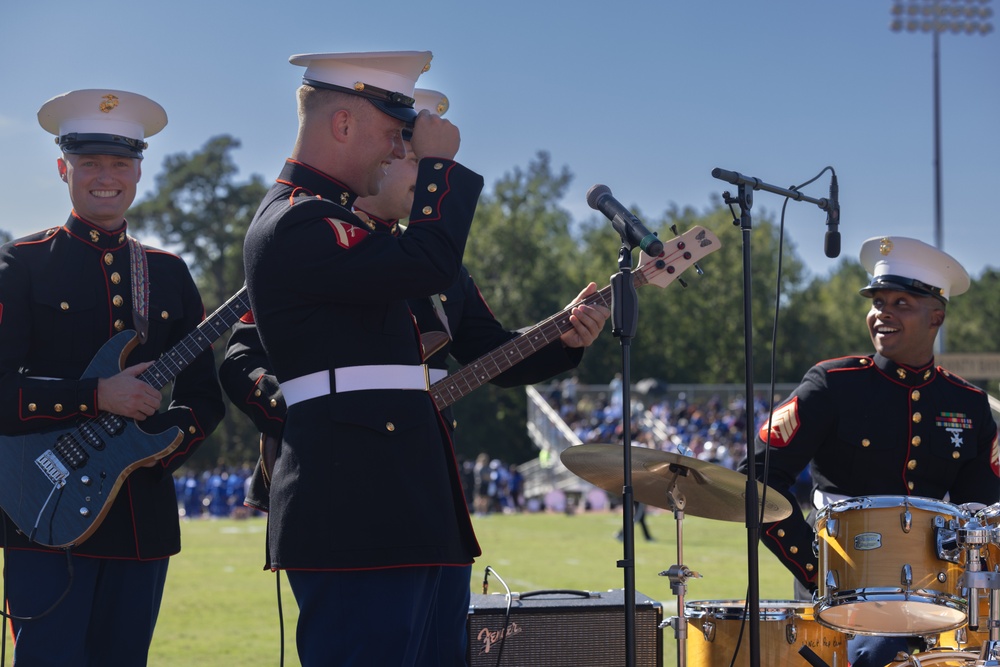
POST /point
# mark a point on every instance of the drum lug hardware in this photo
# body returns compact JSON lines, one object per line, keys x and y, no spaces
{"x":708,"y":629}
{"x":791,"y":633}
{"x":947,"y":539}
{"x":906,"y":521}
{"x":832,"y":527}
{"x":906,"y":576}
{"x":831,"y":580}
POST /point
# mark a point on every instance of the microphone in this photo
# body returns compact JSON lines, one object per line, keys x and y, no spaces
{"x":831,"y":243}
{"x":627,"y":225}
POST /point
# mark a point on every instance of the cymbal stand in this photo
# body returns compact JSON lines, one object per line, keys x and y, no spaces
{"x":973,"y":537}
{"x":678,"y":575}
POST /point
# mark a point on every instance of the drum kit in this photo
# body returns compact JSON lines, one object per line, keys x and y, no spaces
{"x":888,"y":566}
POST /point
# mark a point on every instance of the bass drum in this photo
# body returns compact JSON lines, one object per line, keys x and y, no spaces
{"x":785,"y":627}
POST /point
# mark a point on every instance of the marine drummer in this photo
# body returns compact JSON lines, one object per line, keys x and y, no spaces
{"x":891,"y":423}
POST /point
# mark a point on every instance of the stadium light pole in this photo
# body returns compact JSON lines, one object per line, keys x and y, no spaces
{"x":970,"y":17}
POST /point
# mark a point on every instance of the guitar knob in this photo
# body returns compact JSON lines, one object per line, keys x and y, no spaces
{"x":84,"y":511}
{"x":85,"y":480}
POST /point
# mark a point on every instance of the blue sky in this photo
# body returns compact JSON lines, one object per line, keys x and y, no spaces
{"x":645,"y":97}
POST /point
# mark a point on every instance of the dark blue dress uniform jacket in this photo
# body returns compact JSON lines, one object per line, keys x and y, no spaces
{"x":365,"y":479}
{"x":867,"y":426}
{"x":475,"y":331}
{"x":63,"y":293}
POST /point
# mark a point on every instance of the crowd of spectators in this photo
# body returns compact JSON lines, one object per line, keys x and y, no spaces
{"x":710,"y":428}
{"x":213,"y":493}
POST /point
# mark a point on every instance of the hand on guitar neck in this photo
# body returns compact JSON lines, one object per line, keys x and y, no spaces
{"x":126,"y":395}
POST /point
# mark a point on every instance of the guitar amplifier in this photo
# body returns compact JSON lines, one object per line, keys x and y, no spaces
{"x":562,"y":629}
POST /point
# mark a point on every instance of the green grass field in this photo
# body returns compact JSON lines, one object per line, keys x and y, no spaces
{"x":220,"y":607}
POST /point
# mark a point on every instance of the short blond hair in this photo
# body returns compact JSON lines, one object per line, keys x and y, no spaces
{"x":313,"y":101}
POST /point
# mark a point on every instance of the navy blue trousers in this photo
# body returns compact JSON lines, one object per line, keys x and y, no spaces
{"x":106,"y":619}
{"x":405,"y":617}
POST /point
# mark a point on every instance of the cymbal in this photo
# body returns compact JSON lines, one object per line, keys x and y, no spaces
{"x":708,"y":490}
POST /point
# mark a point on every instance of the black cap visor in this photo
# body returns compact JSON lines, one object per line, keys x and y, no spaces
{"x":901,"y":284}
{"x":101,"y":144}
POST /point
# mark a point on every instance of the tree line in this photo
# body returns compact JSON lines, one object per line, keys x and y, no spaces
{"x":530,"y":258}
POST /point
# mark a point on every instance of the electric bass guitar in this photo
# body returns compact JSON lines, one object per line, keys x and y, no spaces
{"x":57,"y":486}
{"x":678,"y":254}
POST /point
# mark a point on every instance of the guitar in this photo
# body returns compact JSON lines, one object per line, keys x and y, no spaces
{"x":678,"y":254}
{"x":57,"y":486}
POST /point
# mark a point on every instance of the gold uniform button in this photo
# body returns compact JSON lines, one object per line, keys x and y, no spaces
{"x":192,"y":430}
{"x":909,"y":485}
{"x":454,"y":423}
{"x":915,"y":395}
{"x":427,"y":210}
{"x":439,"y":165}
{"x":432,"y":187}
{"x":793,"y":550}
{"x":58,"y":407}
{"x":273,"y":403}
{"x":444,"y":297}
{"x":256,"y":392}
{"x":83,"y":407}
{"x":118,"y":300}
{"x":32,"y":407}
{"x":911,"y":464}
{"x":916,"y":417}
{"x":64,"y":305}
{"x":809,"y":567}
{"x":164,"y":315}
{"x":781,"y":533}
{"x":865,"y":362}
{"x":116,"y":277}
{"x":956,"y":455}
{"x":866,"y":442}
{"x":915,"y":441}
{"x":109,"y":259}
{"x":119,"y":325}
{"x":389,"y":426}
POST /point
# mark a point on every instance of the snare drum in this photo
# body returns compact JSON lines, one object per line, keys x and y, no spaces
{"x":942,"y":659}
{"x":785,"y":627}
{"x":890,"y":565}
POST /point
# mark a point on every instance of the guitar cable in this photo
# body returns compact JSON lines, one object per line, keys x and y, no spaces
{"x":5,"y":613}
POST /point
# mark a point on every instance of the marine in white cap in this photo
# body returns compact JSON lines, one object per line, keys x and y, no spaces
{"x":329,"y":290}
{"x":65,"y":295}
{"x":888,"y":424}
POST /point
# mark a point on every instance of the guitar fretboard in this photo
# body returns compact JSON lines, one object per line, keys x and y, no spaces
{"x":177,"y":358}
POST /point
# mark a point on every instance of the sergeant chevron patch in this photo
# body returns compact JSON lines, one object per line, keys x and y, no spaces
{"x":784,"y":424}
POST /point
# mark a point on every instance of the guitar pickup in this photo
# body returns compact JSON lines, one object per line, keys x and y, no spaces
{"x":53,"y":468}
{"x":90,"y":436}
{"x":70,"y":451}
{"x":112,"y":424}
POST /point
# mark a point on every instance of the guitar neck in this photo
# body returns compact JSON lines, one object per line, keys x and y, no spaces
{"x":180,"y":356}
{"x":477,"y":373}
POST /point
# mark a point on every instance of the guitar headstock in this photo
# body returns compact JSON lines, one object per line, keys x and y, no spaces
{"x":679,"y":253}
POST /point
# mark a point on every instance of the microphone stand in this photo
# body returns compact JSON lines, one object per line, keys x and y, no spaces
{"x":744,"y":199}
{"x":625,"y":318}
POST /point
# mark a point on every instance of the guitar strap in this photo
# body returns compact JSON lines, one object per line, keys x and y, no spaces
{"x":140,"y":289}
{"x":439,"y":311}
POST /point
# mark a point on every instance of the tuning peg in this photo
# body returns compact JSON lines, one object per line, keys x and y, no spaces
{"x":697,"y":268}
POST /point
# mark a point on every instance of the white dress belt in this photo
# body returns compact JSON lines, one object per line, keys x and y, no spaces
{"x":360,"y":378}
